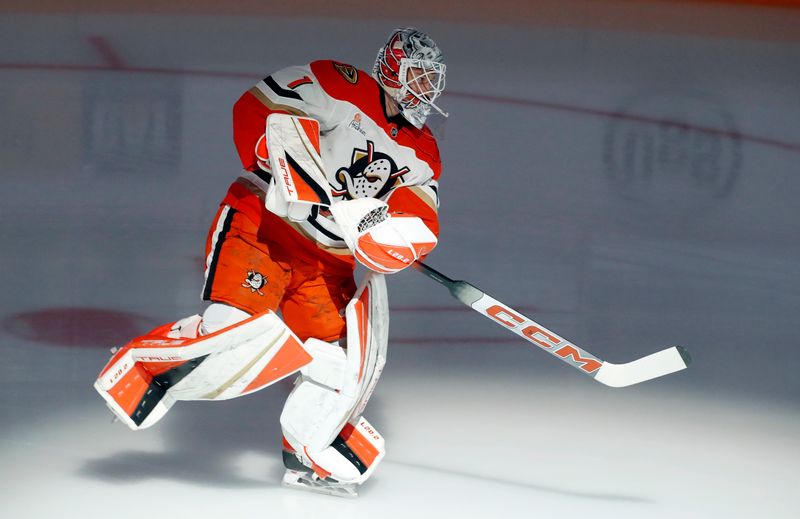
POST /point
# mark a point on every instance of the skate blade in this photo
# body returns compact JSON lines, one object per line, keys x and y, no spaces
{"x":320,"y":487}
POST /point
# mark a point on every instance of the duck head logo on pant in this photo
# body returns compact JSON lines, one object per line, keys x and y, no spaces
{"x":254,"y":281}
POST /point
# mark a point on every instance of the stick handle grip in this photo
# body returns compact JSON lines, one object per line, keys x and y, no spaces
{"x":461,"y":290}
{"x":433,"y":274}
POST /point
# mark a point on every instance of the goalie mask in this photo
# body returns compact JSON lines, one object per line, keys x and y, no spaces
{"x":409,"y":67}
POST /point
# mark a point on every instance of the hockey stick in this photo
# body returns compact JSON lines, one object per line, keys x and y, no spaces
{"x":615,"y":375}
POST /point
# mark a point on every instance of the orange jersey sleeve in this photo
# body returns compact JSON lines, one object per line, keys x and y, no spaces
{"x":249,"y":118}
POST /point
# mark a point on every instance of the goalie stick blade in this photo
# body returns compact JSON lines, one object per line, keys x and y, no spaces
{"x":652,"y":366}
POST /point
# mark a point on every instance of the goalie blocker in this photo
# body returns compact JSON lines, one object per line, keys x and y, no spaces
{"x":298,"y":179}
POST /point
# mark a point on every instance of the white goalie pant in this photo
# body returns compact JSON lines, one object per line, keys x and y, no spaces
{"x":322,"y":420}
{"x":225,"y":354}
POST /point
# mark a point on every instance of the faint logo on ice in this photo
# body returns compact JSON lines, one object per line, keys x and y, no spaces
{"x":255,"y":281}
{"x":77,"y":326}
{"x":672,"y":151}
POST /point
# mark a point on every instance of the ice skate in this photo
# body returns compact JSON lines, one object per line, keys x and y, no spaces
{"x":310,"y":481}
{"x":300,"y":476}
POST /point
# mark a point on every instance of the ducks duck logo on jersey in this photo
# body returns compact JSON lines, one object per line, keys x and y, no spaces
{"x":371,"y":174}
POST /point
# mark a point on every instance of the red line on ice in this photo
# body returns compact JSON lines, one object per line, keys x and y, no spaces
{"x":791,"y":146}
{"x":106,"y":52}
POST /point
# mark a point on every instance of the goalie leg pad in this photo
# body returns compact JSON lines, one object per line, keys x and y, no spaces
{"x":313,"y":414}
{"x":144,"y":378}
{"x":328,"y":366}
{"x":351,"y":458}
{"x":367,"y":339}
{"x":331,"y":393}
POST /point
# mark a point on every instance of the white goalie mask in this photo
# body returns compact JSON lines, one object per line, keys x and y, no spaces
{"x":410,"y":68}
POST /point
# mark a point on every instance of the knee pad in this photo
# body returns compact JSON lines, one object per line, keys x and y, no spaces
{"x":218,"y":316}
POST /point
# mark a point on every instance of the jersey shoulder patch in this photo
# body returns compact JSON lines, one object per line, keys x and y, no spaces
{"x":331,"y":72}
{"x":348,"y":72}
{"x":347,"y":83}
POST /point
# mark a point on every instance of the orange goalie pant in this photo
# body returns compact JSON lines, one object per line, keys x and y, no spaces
{"x":247,"y":269}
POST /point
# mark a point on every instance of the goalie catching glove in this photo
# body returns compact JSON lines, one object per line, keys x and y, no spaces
{"x":382,"y":242}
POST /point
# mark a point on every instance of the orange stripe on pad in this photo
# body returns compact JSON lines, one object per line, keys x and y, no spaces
{"x":157,"y":334}
{"x":359,"y":444}
{"x":304,"y":191}
{"x":362,"y":315}
{"x":311,"y":127}
{"x":130,"y":389}
{"x":290,"y":357}
{"x":157,"y":368}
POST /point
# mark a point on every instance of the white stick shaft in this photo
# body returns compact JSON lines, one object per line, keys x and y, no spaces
{"x":537,"y":334}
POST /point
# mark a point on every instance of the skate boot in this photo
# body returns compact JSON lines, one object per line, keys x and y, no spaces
{"x":303,"y":477}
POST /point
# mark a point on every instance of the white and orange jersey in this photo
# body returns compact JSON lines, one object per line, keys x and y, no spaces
{"x":364,"y":153}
